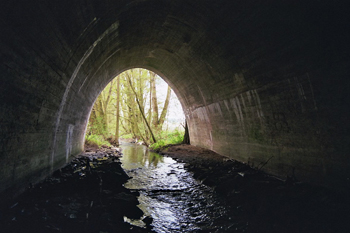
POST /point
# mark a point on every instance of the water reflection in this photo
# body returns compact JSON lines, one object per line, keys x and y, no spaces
{"x":139,"y":156}
{"x":170,"y":194}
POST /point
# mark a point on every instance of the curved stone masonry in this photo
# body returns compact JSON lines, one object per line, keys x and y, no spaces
{"x":257,"y":81}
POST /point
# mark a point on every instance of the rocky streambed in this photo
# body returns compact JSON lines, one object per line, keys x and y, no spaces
{"x":196,"y":190}
{"x":87,"y":195}
{"x":259,"y":202}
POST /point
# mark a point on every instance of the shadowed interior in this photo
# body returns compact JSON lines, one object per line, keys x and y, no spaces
{"x":258,"y":81}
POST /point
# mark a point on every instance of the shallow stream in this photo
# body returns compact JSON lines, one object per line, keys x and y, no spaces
{"x":170,"y":195}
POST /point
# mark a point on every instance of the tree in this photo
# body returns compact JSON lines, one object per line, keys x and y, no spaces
{"x":187,"y":135}
{"x":132,"y":102}
{"x":99,"y":117}
{"x":116,"y":137}
{"x":154,"y":100}
{"x":158,"y":122}
{"x":141,"y":110}
{"x":165,"y":109}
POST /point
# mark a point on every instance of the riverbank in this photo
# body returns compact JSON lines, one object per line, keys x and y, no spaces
{"x":87,"y":195}
{"x":259,"y":202}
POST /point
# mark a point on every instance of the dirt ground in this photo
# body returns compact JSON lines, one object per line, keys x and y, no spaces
{"x":262,"y":203}
{"x":189,"y":153}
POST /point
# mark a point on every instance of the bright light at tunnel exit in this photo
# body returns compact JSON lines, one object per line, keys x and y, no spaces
{"x":175,"y":116}
{"x":175,"y":113}
{"x":102,"y":119}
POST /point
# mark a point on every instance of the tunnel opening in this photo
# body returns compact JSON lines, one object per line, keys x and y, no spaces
{"x":265,"y":84}
{"x":138,"y":106}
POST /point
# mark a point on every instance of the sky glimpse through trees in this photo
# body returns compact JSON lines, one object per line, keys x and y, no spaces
{"x":136,"y":104}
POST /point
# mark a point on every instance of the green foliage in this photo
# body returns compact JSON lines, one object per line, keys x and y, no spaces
{"x":136,"y":115}
{"x":127,"y":136}
{"x":96,"y":140}
{"x":167,"y":138}
{"x":98,"y":126}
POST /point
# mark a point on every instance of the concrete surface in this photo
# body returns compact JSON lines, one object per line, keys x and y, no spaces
{"x":256,"y":79}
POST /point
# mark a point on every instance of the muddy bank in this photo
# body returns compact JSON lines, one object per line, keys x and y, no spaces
{"x":87,"y":195}
{"x":259,"y":202}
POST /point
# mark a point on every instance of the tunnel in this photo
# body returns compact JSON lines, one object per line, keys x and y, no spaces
{"x":261,"y":82}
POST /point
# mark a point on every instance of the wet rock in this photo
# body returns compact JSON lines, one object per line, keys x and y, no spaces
{"x":210,"y":181}
{"x":148,"y":221}
{"x":87,"y":195}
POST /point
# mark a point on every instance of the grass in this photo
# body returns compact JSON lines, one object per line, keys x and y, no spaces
{"x":126,"y":136}
{"x":167,"y":138}
{"x":96,"y":140}
{"x":163,"y":139}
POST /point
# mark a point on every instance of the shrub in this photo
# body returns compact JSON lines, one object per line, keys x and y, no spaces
{"x":167,"y":138}
{"x":96,"y":140}
{"x":126,"y":136}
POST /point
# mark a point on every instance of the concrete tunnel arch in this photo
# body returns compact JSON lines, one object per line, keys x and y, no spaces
{"x":256,"y":80}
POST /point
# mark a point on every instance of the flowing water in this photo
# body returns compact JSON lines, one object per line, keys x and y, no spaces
{"x":170,"y":195}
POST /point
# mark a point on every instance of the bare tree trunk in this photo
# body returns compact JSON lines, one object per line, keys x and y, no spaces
{"x":130,"y":103}
{"x":165,"y":109}
{"x":150,"y":108}
{"x":101,"y":117}
{"x":117,"y":113}
{"x":187,"y":135}
{"x":102,"y":113}
{"x":105,"y":108}
{"x":124,"y":106}
{"x":154,"y":101}
{"x":143,"y":115}
{"x":141,"y":89}
{"x":92,"y":121}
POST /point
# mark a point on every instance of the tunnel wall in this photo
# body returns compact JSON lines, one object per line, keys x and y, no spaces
{"x":263,"y":83}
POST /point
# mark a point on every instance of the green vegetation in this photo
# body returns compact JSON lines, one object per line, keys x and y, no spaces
{"x":127,"y":136}
{"x":132,"y":107}
{"x":168,"y":138}
{"x":96,"y":140}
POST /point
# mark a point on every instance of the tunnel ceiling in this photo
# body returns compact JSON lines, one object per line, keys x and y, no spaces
{"x":258,"y":81}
